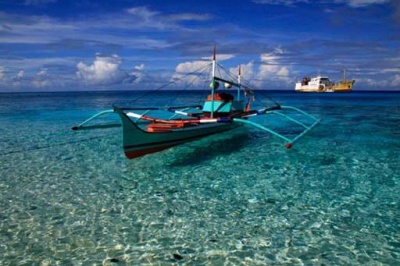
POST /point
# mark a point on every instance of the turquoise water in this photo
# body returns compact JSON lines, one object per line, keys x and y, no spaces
{"x":238,"y":198}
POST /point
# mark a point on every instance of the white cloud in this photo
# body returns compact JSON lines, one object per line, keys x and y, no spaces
{"x":41,"y":80}
{"x":2,"y":76}
{"x":20,"y":74}
{"x":182,"y":76}
{"x":189,"y":17}
{"x":246,"y":71}
{"x":272,"y":70}
{"x":40,"y":83}
{"x":270,"y":65}
{"x":280,"y":2}
{"x":372,"y":83}
{"x":396,"y":81}
{"x":189,"y":67}
{"x":106,"y":70}
{"x":16,"y":81}
{"x":137,"y":74}
{"x":390,"y":70}
{"x":142,"y":13}
{"x":283,"y":72}
{"x":222,"y":57}
{"x":183,"y":71}
{"x":42,"y":73}
{"x":391,"y":83}
{"x":361,"y":3}
{"x":139,"y":67}
{"x":145,"y":17}
{"x":81,"y":32}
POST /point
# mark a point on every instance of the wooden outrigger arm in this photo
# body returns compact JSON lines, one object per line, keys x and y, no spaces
{"x":275,"y":110}
{"x":82,"y":126}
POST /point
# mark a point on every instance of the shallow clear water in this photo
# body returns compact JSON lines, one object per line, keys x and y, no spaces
{"x":240,"y":198}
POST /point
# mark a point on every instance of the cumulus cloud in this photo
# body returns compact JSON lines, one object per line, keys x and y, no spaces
{"x":41,"y":80}
{"x":189,"y":67}
{"x":42,"y":73}
{"x":16,"y":81}
{"x":183,"y":76}
{"x":103,"y":70}
{"x":396,"y":81}
{"x":272,"y":69}
{"x":106,"y":70}
{"x":136,"y":75}
{"x":20,"y":74}
{"x":194,"y":66}
{"x":139,"y":67}
{"x":246,"y":70}
{"x":189,"y":72}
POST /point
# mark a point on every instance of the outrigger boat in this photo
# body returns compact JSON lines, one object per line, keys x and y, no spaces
{"x":144,"y":133}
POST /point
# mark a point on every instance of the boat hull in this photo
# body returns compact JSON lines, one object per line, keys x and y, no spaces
{"x":343,"y":86}
{"x":138,"y":142}
{"x":308,"y":89}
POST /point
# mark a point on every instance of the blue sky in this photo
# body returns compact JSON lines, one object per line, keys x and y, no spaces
{"x":60,"y":45}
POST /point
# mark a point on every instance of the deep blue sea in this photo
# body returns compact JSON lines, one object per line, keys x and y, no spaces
{"x":237,"y":198}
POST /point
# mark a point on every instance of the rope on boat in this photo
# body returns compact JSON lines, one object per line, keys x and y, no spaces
{"x":198,"y":72}
{"x":246,"y":84}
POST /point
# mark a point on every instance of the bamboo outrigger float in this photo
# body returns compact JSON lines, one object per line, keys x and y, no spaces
{"x":144,"y":134}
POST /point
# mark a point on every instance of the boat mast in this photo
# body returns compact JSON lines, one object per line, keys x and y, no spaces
{"x":239,"y":82}
{"x":344,"y":74}
{"x":213,"y":84}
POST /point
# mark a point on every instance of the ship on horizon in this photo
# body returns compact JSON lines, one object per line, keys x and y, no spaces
{"x":324,"y":84}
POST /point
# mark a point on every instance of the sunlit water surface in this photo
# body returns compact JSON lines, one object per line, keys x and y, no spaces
{"x":238,"y":198}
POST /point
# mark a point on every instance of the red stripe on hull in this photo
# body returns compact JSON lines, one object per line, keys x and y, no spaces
{"x":139,"y":153}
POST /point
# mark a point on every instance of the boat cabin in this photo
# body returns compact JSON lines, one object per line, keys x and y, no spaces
{"x":223,"y":104}
{"x":316,"y":81}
